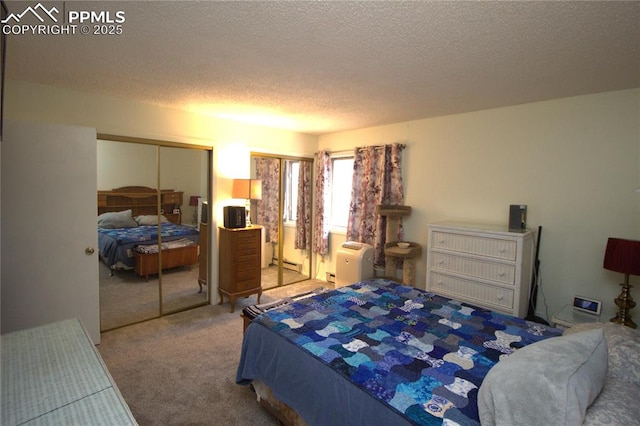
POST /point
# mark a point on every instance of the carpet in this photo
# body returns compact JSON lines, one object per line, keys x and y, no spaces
{"x":180,"y":369}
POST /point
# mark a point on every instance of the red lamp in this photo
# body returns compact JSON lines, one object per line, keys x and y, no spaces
{"x":623,"y":256}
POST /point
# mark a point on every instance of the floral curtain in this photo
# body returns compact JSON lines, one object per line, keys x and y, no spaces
{"x":377,"y":179}
{"x":303,"y":208}
{"x":322,"y":199}
{"x":268,"y":169}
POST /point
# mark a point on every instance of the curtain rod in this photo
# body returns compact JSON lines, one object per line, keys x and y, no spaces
{"x":349,"y":152}
{"x":382,"y":146}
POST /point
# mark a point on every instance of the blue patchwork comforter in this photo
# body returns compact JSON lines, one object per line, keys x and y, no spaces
{"x":115,"y":245}
{"x":421,"y":355}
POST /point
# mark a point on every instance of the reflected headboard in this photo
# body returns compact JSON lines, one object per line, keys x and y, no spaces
{"x":142,"y":200}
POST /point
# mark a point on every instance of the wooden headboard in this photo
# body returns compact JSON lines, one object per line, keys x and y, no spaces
{"x":142,"y":200}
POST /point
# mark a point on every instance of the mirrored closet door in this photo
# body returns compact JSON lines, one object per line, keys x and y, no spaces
{"x":284,"y":212}
{"x":182,"y":279}
{"x":152,"y":239}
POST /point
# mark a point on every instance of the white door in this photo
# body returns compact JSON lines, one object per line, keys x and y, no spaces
{"x":49,"y":233}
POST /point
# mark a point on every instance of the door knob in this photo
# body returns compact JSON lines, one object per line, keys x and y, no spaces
{"x":89,"y":251}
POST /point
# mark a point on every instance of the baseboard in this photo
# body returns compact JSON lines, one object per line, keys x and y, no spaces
{"x":287,"y":264}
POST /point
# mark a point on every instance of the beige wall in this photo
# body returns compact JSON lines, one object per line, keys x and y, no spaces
{"x":132,"y":164}
{"x":575,"y":162}
{"x":232,"y":141}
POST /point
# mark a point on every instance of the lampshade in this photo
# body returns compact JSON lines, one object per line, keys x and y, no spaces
{"x":622,"y":256}
{"x":247,"y":188}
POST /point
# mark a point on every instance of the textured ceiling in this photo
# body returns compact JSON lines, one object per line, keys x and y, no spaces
{"x":321,"y":67}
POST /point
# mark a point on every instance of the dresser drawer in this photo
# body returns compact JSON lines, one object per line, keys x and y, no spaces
{"x":473,"y":244}
{"x":246,"y":250}
{"x":499,"y":272}
{"x":248,"y":257}
{"x":248,"y":284}
{"x":471,"y":291}
{"x":248,"y":274}
{"x":247,"y":242}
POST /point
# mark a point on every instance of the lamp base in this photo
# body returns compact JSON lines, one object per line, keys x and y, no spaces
{"x":625,"y":303}
{"x":248,"y":213}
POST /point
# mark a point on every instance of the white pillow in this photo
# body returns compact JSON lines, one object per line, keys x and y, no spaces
{"x":624,"y":349}
{"x":551,"y":382}
{"x":121,"y":219}
{"x":150,"y":219}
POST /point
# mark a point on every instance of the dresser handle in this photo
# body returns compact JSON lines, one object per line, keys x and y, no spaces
{"x":500,"y":297}
{"x":501,"y":274}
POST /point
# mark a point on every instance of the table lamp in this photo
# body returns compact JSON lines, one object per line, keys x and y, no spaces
{"x":249,"y":189}
{"x":623,"y":256}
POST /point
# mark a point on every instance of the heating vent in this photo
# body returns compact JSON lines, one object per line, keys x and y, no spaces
{"x":331,"y":277}
{"x":287,"y":264}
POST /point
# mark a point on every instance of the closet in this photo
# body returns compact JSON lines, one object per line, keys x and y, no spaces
{"x":284,"y":212}
{"x":166,"y":187}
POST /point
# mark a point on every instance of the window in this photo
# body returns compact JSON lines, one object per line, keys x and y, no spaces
{"x":291,"y":173}
{"x":341,"y":180}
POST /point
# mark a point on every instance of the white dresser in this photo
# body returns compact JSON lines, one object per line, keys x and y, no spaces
{"x":485,"y":265}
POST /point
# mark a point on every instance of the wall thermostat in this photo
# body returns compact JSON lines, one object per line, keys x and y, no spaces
{"x":586,"y":304}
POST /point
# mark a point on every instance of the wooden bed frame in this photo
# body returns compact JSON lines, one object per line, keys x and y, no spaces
{"x":143,"y":200}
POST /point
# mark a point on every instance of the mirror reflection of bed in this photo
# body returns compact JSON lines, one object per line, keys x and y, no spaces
{"x":138,"y":281}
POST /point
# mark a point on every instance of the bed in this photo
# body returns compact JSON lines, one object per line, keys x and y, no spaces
{"x":377,"y":352}
{"x":128,"y":236}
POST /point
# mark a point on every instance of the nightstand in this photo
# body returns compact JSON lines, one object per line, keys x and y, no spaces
{"x":567,"y":317}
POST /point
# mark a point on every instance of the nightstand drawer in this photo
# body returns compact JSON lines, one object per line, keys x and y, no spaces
{"x":481,"y":246}
{"x":499,"y":272}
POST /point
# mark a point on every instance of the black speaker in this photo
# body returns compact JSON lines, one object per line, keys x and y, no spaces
{"x":517,"y":217}
{"x":234,"y":217}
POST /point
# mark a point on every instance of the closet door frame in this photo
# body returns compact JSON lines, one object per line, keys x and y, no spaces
{"x":282,"y":159}
{"x":169,"y":144}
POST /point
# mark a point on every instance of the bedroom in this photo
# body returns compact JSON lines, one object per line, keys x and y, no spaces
{"x":574,"y":161}
{"x":587,"y":152}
